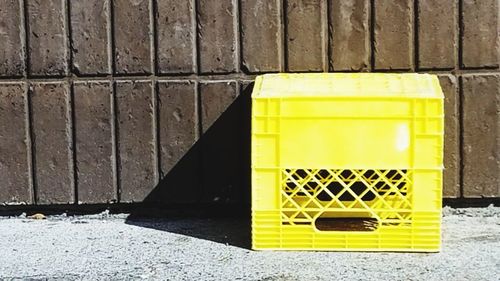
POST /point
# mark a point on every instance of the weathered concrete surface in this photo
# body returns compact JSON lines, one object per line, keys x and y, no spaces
{"x":47,"y":37}
{"x":216,"y":36}
{"x":436,"y":34}
{"x":178,"y":132}
{"x":175,"y":37}
{"x":132,"y":36}
{"x":95,"y":158}
{"x":89,"y":21}
{"x":11,"y":42}
{"x":261,"y":45}
{"x":304,"y":35}
{"x":481,"y":34}
{"x":14,"y":145}
{"x":52,"y":142}
{"x":349,"y":35}
{"x":451,"y":174}
{"x":177,"y":121}
{"x":221,"y":160}
{"x":103,"y":247}
{"x":393,"y":35}
{"x":481,"y":135}
{"x":215,"y":99}
{"x":137,"y":161}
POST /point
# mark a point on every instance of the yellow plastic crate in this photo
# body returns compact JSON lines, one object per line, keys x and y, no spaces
{"x":349,"y":162}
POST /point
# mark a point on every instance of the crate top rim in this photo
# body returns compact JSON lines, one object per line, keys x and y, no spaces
{"x":348,"y":85}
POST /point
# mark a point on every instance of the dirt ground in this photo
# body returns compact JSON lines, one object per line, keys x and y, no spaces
{"x":104,"y":247}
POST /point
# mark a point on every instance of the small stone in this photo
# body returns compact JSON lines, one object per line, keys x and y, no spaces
{"x":37,"y":216}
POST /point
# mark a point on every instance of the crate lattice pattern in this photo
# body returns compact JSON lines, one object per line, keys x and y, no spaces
{"x":385,"y":195}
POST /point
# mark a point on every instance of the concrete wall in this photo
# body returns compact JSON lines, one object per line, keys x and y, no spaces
{"x":147,"y":100}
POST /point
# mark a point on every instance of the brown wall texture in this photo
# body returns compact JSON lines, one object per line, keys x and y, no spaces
{"x":147,"y":100}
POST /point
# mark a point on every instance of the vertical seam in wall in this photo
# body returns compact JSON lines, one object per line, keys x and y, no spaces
{"x":196,"y":109}
{"x":411,"y":36}
{"x":199,"y":128}
{"x":155,"y":128}
{"x":109,"y":37}
{"x":33,"y":144}
{"x":111,"y":71}
{"x":460,"y":34}
{"x":366,"y":66}
{"x":69,"y":42}
{"x":324,"y":34}
{"x":117,"y":143}
{"x":152,"y":36}
{"x":498,"y":45}
{"x":29,"y":142}
{"x":367,"y":38}
{"x":461,"y":136}
{"x":26,"y":39}
{"x":154,"y":94}
{"x":242,"y":67}
{"x":67,"y":38}
{"x":460,"y":99}
{"x":27,"y":102}
{"x":199,"y":165}
{"x":329,"y":33}
{"x":239,"y":194}
{"x":152,"y":39}
{"x":285,"y":33}
{"x":372,"y":35}
{"x":23,"y":35}
{"x":281,"y":39}
{"x":71,"y":101}
{"x":457,"y":8}
{"x":194,"y":37}
{"x":237,"y":36}
{"x":416,"y":21}
{"x":113,"y":140}
{"x":73,"y":152}
{"x":154,"y":19}
{"x":200,"y":134}
{"x":158,"y":125}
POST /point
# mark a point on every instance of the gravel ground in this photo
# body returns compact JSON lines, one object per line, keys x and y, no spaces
{"x":104,"y":247}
